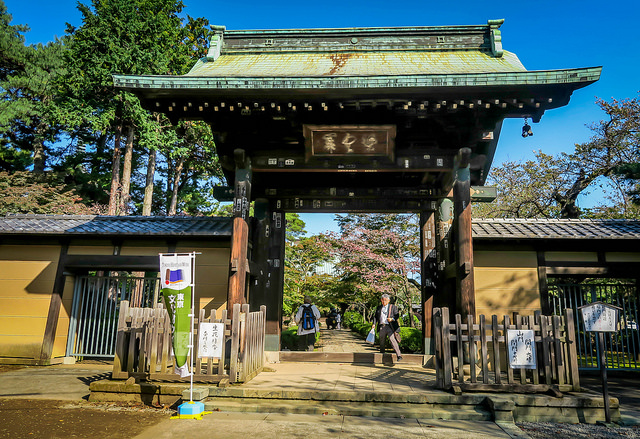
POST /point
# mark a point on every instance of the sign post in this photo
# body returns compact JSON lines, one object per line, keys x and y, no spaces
{"x":601,"y":317}
{"x":177,"y":275}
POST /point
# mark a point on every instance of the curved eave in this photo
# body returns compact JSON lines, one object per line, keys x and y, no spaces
{"x":159,"y":86}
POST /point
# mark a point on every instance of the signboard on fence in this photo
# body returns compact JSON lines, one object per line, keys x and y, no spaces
{"x":176,"y":278}
{"x":210,"y":340}
{"x":600,"y":317}
{"x":521,"y":348}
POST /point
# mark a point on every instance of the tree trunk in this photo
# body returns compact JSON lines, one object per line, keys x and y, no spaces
{"x":176,"y":182}
{"x":126,"y":172}
{"x":148,"y":188}
{"x":115,"y":174}
{"x":38,"y":157}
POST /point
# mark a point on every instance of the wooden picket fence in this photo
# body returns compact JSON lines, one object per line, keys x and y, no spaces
{"x":473,"y":355}
{"x":143,"y":345}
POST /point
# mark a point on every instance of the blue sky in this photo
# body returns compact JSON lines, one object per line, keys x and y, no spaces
{"x":544,"y":34}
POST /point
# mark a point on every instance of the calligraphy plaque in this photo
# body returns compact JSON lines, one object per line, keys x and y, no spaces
{"x":210,"y":340}
{"x":521,"y":348}
{"x":345,"y":141}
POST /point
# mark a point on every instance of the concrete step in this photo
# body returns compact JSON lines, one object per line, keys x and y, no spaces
{"x":347,"y":408}
{"x":349,"y":357}
{"x":348,"y":402}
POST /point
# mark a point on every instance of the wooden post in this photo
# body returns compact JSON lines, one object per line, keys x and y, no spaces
{"x":429,"y":273}
{"x":235,"y":344}
{"x":240,"y":238}
{"x":54,"y":308}
{"x":239,"y":262}
{"x":437,"y":332}
{"x":543,"y":285}
{"x":446,"y":350}
{"x":465,"y":292}
{"x":573,"y":353}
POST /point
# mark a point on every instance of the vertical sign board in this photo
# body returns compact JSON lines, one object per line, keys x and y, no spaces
{"x":601,"y":317}
{"x":521,"y":348}
{"x":210,"y":339}
{"x":176,"y":276}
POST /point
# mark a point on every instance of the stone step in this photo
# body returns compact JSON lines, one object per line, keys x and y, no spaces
{"x":348,"y":408}
{"x":349,"y":357}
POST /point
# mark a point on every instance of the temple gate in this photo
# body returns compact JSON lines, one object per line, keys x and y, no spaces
{"x":357,"y":120}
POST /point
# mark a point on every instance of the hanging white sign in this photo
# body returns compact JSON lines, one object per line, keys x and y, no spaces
{"x":210,"y":340}
{"x":599,"y":317}
{"x":521,"y":348}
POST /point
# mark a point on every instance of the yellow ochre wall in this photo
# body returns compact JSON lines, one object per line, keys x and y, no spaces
{"x":27,"y":276}
{"x":506,"y":282}
{"x":211,"y":277}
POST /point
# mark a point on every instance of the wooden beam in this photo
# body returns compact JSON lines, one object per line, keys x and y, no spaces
{"x":348,"y":204}
{"x":54,"y":306}
{"x":566,"y":268}
{"x":112,"y":262}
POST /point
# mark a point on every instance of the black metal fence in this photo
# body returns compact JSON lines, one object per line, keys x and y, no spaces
{"x":94,"y":313}
{"x":623,"y":347}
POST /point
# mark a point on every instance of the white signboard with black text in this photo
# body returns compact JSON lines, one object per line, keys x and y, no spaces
{"x":210,"y":340}
{"x":521,"y":348}
{"x":600,"y":317}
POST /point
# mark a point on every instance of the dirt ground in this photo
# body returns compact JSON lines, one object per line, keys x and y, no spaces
{"x":45,"y":418}
{"x":39,"y":418}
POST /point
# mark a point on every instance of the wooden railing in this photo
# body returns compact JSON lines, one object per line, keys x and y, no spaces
{"x":473,"y":355}
{"x":143,"y":346}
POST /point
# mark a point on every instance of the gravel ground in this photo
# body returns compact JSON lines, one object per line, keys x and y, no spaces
{"x":542,"y":430}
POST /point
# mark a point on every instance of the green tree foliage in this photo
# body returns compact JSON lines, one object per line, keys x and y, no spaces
{"x":304,"y":260}
{"x":30,"y":112}
{"x":377,"y":253}
{"x":549,"y":186}
{"x":138,"y":37}
{"x":27,"y":87}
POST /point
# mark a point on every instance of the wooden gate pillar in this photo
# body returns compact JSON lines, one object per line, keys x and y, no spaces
{"x":274,"y":282}
{"x":239,"y":264}
{"x":260,"y":229}
{"x":465,"y":291}
{"x":446,"y":297}
{"x":429,"y":273}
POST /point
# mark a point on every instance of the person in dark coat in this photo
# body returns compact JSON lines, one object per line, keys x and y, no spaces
{"x":386,"y":317}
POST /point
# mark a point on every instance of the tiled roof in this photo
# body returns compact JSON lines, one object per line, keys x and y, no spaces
{"x":114,"y":225}
{"x":356,"y":64}
{"x":555,"y":229}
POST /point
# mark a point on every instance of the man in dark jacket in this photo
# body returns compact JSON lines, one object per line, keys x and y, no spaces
{"x":386,"y":317}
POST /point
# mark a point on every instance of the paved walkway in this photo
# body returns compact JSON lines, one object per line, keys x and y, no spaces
{"x":334,"y":340}
{"x":71,"y":383}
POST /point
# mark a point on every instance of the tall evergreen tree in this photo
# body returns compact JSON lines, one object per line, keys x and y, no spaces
{"x":134,"y":37}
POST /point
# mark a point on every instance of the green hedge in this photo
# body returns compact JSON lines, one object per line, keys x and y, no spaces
{"x":289,"y":339}
{"x":411,"y":337}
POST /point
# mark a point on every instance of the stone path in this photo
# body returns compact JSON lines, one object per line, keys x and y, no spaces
{"x":344,"y":340}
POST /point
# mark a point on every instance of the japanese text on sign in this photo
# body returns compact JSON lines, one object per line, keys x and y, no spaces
{"x":521,"y":349}
{"x":210,"y":340}
{"x":598,"y":317}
